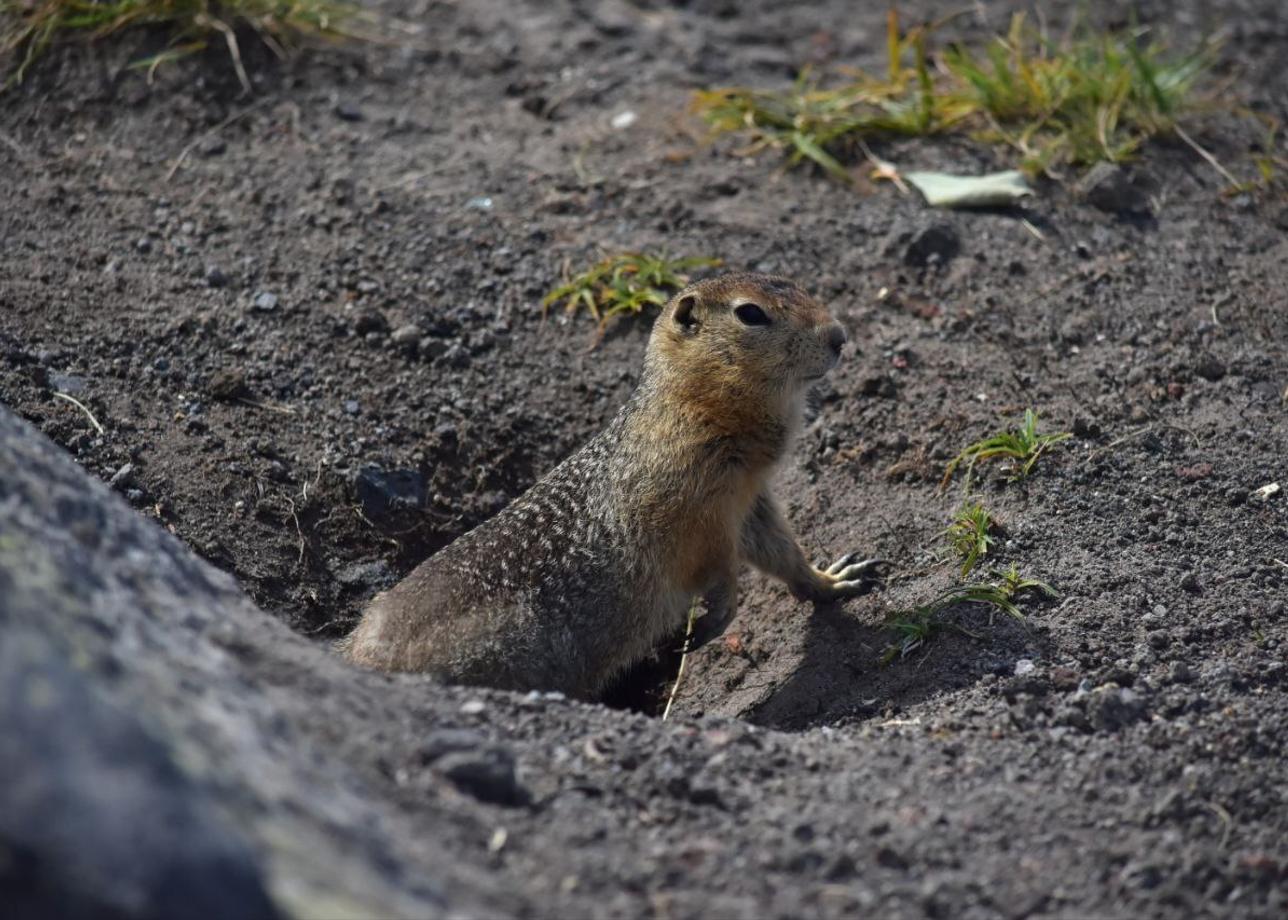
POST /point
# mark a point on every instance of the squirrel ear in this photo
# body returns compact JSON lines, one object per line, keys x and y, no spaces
{"x":683,"y":314}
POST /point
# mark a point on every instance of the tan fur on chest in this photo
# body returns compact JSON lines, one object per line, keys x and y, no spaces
{"x":706,"y":535}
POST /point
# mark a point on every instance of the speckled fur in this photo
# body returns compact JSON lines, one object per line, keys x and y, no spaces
{"x":586,"y":572}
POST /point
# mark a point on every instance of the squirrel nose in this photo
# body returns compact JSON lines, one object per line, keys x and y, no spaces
{"x":835,"y":338}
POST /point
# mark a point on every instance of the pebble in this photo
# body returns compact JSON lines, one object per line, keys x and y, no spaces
{"x":613,"y":17}
{"x":1110,"y":707}
{"x":265,"y":302}
{"x":1209,"y":367}
{"x":348,"y":111}
{"x":623,"y":120}
{"x":352,"y":407}
{"x":1266,"y":492}
{"x":144,"y":244}
{"x":67,"y":383}
{"x":121,"y":478}
{"x":383,"y":493}
{"x":407,"y":335}
{"x":1024,"y":666}
{"x":369,"y":321}
{"x":1109,"y":187}
{"x":473,"y":707}
{"x":215,"y":276}
{"x":227,"y":385}
{"x":365,"y":574}
{"x":935,"y":244}
{"x":444,"y":741}
{"x":487,"y":774}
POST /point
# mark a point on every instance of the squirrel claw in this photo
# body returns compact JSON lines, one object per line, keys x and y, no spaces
{"x":849,"y":577}
{"x":847,"y":569}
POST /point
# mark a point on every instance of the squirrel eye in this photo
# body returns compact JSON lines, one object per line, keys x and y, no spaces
{"x":750,"y":315}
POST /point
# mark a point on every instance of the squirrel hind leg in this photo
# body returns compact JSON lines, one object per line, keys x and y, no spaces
{"x":722,"y":605}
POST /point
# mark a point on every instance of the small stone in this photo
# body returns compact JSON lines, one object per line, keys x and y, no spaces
{"x":348,"y":111}
{"x":407,"y":335}
{"x":215,"y":277}
{"x":487,"y":774}
{"x":1194,"y":473}
{"x":431,"y":348}
{"x":228,"y":385}
{"x":1064,"y":678}
{"x":352,"y":407}
{"x":1266,"y":492}
{"x":1110,"y":188}
{"x":446,"y":741}
{"x":473,"y":707}
{"x":122,"y":477}
{"x":1175,"y":390}
{"x":613,"y":17}
{"x":937,"y":244}
{"x":1085,"y":428}
{"x":213,"y":147}
{"x":1024,"y":666}
{"x":623,"y":120}
{"x":456,"y":356}
{"x":66,"y":383}
{"x":265,"y":302}
{"x":1209,"y":367}
{"x":365,"y":574}
{"x":1111,"y":707}
{"x":143,"y":244}
{"x":881,"y":385}
{"x":387,"y":496}
{"x":369,"y":321}
{"x":479,"y":203}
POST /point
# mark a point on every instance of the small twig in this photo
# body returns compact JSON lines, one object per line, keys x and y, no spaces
{"x":317,"y":478}
{"x":299,"y":531}
{"x":271,"y":407}
{"x":684,"y":657}
{"x":1028,"y":225}
{"x":1227,"y":823}
{"x":899,"y":723}
{"x":884,"y":169}
{"x":1117,"y":442}
{"x":12,"y":144}
{"x":80,"y":405}
{"x":1218,"y":303}
{"x":234,"y":50}
{"x":1216,"y":164}
{"x":183,"y":154}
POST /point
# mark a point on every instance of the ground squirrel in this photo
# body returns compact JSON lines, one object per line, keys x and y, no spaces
{"x":587,"y":571}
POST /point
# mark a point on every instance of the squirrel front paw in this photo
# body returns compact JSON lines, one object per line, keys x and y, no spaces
{"x":844,"y":578}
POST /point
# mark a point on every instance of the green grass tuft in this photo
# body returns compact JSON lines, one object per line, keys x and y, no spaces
{"x":29,"y":27}
{"x":622,"y":283}
{"x":913,"y":628}
{"x":970,"y":535}
{"x":1090,"y":97}
{"x":1022,"y":447}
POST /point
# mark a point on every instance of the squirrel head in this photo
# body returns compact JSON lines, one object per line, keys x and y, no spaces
{"x":745,"y":333}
